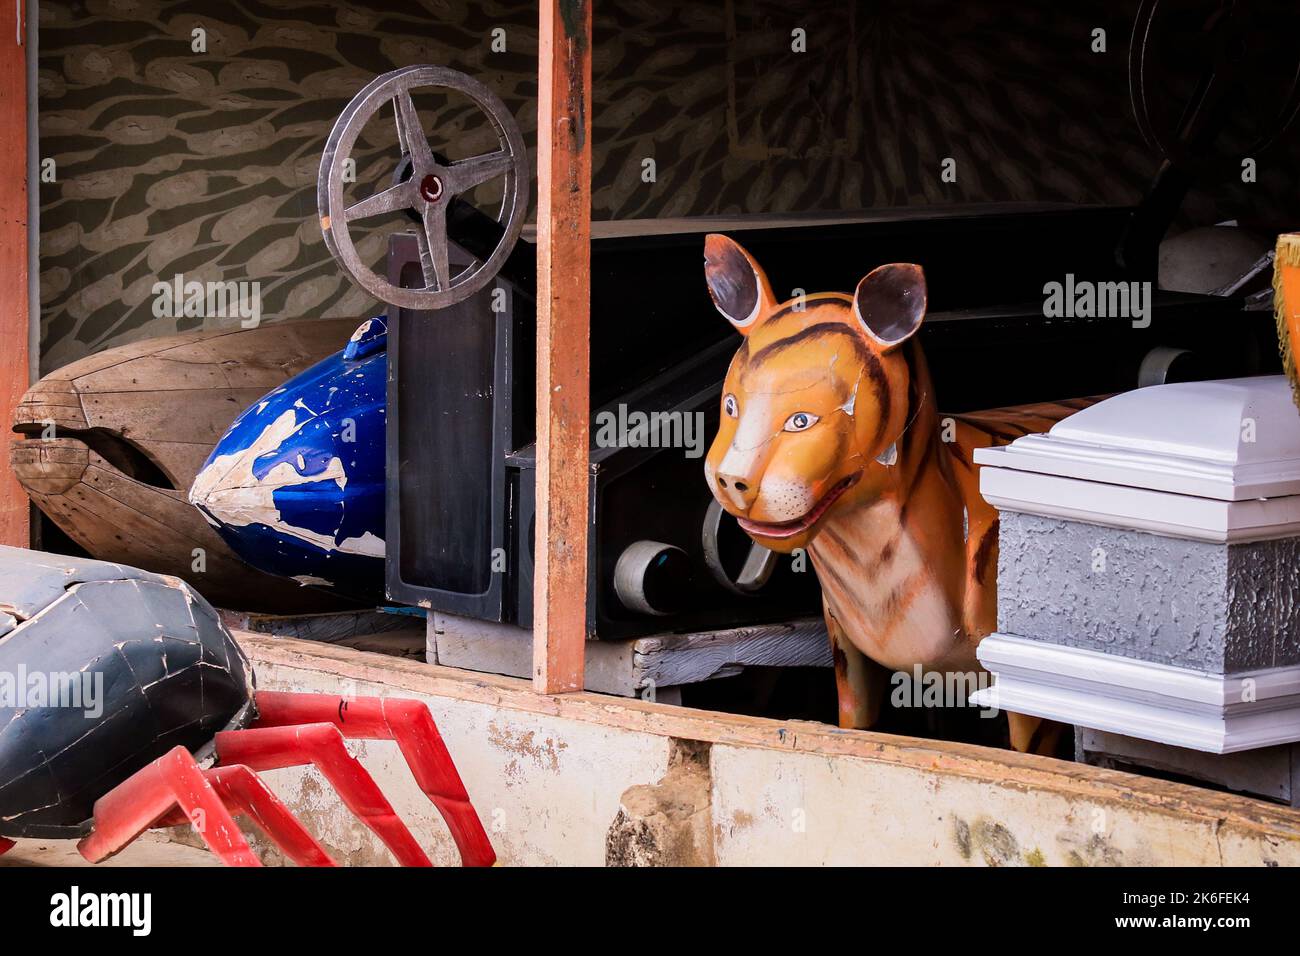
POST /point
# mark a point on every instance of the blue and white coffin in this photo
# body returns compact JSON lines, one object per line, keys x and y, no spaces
{"x":296,"y":486}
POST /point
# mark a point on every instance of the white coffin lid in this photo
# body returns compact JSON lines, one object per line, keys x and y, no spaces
{"x":1123,"y":461}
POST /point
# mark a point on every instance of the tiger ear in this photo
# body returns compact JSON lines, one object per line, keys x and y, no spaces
{"x":890,"y":303}
{"x":737,"y":284}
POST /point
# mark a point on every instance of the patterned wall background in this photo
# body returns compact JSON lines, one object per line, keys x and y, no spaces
{"x":173,"y":161}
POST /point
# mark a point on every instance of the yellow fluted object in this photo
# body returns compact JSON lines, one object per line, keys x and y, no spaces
{"x":1286,"y":305}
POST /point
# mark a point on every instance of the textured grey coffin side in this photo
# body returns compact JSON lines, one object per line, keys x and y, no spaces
{"x":1222,"y":608}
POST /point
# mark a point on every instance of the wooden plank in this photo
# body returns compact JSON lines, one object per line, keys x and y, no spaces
{"x":150,"y":850}
{"x":155,"y":373}
{"x":671,"y":660}
{"x":330,"y":628}
{"x":629,"y":667}
{"x":41,"y":414}
{"x":563,"y":335}
{"x":15,"y":319}
{"x":149,"y":416}
{"x":492,"y":648}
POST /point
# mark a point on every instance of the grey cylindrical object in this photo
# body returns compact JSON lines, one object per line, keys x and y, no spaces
{"x":1157,"y":364}
{"x":633,"y":570}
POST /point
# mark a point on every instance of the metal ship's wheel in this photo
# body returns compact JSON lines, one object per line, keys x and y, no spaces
{"x":428,"y":192}
{"x":1213,"y":81}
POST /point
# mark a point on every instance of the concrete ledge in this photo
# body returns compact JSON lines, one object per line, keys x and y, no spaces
{"x":548,"y":775}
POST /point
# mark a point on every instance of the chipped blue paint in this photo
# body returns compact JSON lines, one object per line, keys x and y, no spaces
{"x":296,"y":485}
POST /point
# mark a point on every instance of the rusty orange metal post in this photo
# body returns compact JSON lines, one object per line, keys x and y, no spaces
{"x":563,"y":336}
{"x":14,"y":355}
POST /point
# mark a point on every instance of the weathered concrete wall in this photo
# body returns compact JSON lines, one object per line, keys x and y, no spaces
{"x":546,"y":789}
{"x":671,"y":822}
{"x":1211,"y":607}
{"x":586,"y":778}
{"x":811,"y":809}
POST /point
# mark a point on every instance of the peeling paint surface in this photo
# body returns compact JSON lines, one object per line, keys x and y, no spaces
{"x":296,"y":486}
{"x":547,"y":789}
{"x":550,"y":785}
{"x":815,"y":810}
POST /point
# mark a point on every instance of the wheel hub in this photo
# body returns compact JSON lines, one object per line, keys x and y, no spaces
{"x":431,"y":188}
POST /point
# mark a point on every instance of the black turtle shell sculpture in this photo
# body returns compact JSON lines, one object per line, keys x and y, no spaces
{"x":103,"y":668}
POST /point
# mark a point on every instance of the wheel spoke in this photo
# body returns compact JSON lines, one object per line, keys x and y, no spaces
{"x":410,"y":133}
{"x":386,"y":200}
{"x":469,"y":173}
{"x":434,"y":255}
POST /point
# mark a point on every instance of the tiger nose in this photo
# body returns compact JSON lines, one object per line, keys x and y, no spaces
{"x":738,"y":492}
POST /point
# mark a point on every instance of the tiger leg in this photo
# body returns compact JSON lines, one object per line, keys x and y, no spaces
{"x":860,"y":683}
{"x":1034,"y":735}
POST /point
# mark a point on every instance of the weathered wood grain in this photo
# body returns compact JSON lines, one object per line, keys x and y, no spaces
{"x":563,"y":336}
{"x":14,"y":307}
{"x":327,"y":628}
{"x":674,"y":659}
{"x":630,"y":667}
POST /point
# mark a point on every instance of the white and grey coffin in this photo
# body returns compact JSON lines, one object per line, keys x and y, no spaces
{"x":1149,"y":566}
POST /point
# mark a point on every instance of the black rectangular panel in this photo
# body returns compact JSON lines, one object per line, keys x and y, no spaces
{"x":445,"y":367}
{"x":448,"y":433}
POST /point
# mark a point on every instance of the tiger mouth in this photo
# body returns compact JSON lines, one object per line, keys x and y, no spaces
{"x":788,"y":529}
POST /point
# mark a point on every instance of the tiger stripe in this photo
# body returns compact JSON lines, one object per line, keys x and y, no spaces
{"x":857,"y":557}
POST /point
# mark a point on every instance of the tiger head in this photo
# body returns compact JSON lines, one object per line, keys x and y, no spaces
{"x":815,"y":399}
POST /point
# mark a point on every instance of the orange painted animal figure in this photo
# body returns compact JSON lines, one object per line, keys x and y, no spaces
{"x":830,"y":441}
